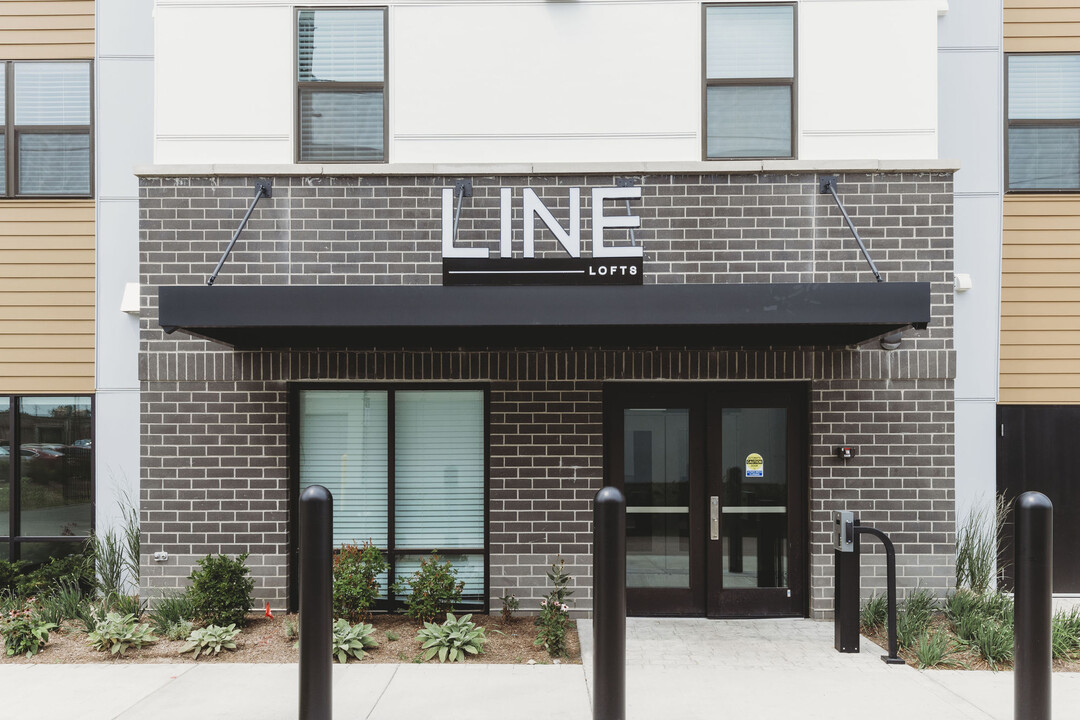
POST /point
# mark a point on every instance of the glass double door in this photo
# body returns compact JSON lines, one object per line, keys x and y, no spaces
{"x":715,"y":484}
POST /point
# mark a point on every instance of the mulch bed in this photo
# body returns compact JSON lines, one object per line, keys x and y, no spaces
{"x":264,"y":641}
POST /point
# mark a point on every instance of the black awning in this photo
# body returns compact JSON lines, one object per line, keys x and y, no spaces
{"x":694,"y":315}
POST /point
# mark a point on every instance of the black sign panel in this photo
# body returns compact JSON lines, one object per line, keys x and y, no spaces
{"x":542,"y":271}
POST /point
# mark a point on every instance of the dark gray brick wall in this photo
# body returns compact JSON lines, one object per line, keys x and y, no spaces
{"x":215,"y":432}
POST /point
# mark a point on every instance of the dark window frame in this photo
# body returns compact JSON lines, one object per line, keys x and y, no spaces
{"x":11,"y":133}
{"x":792,"y":82}
{"x":391,"y":552}
{"x":1010,"y":123}
{"x":14,"y":539}
{"x":343,"y":87}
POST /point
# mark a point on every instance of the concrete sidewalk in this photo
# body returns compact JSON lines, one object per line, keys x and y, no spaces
{"x":705,"y":669}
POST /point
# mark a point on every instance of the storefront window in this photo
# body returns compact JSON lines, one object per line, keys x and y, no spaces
{"x":45,"y":442}
{"x":435,"y":493}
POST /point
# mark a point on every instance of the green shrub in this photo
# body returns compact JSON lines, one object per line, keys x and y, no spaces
{"x":452,"y":640}
{"x":221,"y":591}
{"x":24,"y":631}
{"x":932,"y":649}
{"x":998,"y":606}
{"x":874,"y":613}
{"x":356,"y":585}
{"x":352,"y":640}
{"x":116,"y":633}
{"x":170,"y":610}
{"x":212,"y":638}
{"x":70,"y":598}
{"x":51,"y":610}
{"x":914,"y":617}
{"x":77,"y":568}
{"x":10,"y":573}
{"x":432,"y":590}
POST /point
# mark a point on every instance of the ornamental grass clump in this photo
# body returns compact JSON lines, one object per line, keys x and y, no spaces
{"x":211,"y":639}
{"x":874,"y":613}
{"x":24,"y":631}
{"x":352,"y":640}
{"x":453,"y":640}
{"x":117,"y":633}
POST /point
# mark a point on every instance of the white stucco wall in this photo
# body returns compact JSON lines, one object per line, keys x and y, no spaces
{"x":971,"y":130}
{"x":528,"y":81}
{"x":124,"y":126}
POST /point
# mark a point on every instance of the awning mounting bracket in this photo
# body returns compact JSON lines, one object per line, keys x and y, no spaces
{"x":263,"y":188}
{"x":827,"y":184}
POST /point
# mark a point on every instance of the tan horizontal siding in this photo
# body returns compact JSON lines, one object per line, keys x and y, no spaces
{"x":1040,"y":300}
{"x":58,"y":30}
{"x":1042,"y":26}
{"x":46,"y":295}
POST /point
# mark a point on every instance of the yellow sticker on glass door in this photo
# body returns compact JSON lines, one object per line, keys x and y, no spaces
{"x":755,"y":466}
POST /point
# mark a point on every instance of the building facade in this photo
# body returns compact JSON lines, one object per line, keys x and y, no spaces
{"x":471,"y":294}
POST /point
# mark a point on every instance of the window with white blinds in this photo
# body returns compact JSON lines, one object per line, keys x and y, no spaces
{"x":749,"y":81}
{"x":407,"y":472}
{"x":341,"y":85}
{"x":46,"y":146}
{"x":1043,"y":136}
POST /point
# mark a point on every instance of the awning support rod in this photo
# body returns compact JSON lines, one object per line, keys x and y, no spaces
{"x":627,"y":182}
{"x":262,"y":189}
{"x":463,"y":189}
{"x":828,"y":185}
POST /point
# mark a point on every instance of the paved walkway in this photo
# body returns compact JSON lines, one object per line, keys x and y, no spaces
{"x":685,"y":669}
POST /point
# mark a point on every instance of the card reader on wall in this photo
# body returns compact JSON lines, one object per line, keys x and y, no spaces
{"x":845,"y":452}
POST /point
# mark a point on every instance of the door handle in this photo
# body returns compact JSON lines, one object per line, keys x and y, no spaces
{"x":714,"y":517}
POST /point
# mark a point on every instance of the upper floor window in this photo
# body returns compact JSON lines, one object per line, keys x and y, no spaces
{"x":46,"y":140}
{"x":1043,"y":137}
{"x":341,"y":85}
{"x":749,"y":81}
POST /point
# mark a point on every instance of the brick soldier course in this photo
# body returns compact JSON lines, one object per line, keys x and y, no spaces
{"x":215,"y":432}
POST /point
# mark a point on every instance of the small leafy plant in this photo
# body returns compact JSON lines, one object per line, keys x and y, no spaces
{"x":509,"y":607}
{"x":352,"y":640}
{"x":452,"y":640}
{"x":211,"y":639}
{"x":994,"y":641}
{"x":356,"y":585}
{"x":24,"y":631}
{"x":116,"y":633}
{"x":554,"y":619}
{"x":432,"y":590}
{"x":179,"y":630}
{"x":221,"y":590}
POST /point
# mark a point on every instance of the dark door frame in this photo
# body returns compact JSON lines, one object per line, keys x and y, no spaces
{"x":706,"y":400}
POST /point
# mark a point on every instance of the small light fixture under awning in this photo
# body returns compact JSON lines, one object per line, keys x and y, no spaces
{"x":693,"y":315}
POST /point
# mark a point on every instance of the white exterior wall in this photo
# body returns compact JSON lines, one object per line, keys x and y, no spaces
{"x":525,"y":81}
{"x":124,"y":126}
{"x":971,"y":130}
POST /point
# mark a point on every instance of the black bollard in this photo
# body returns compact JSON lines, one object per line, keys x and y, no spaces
{"x":1033,"y":565}
{"x":609,"y":605}
{"x":316,"y":628}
